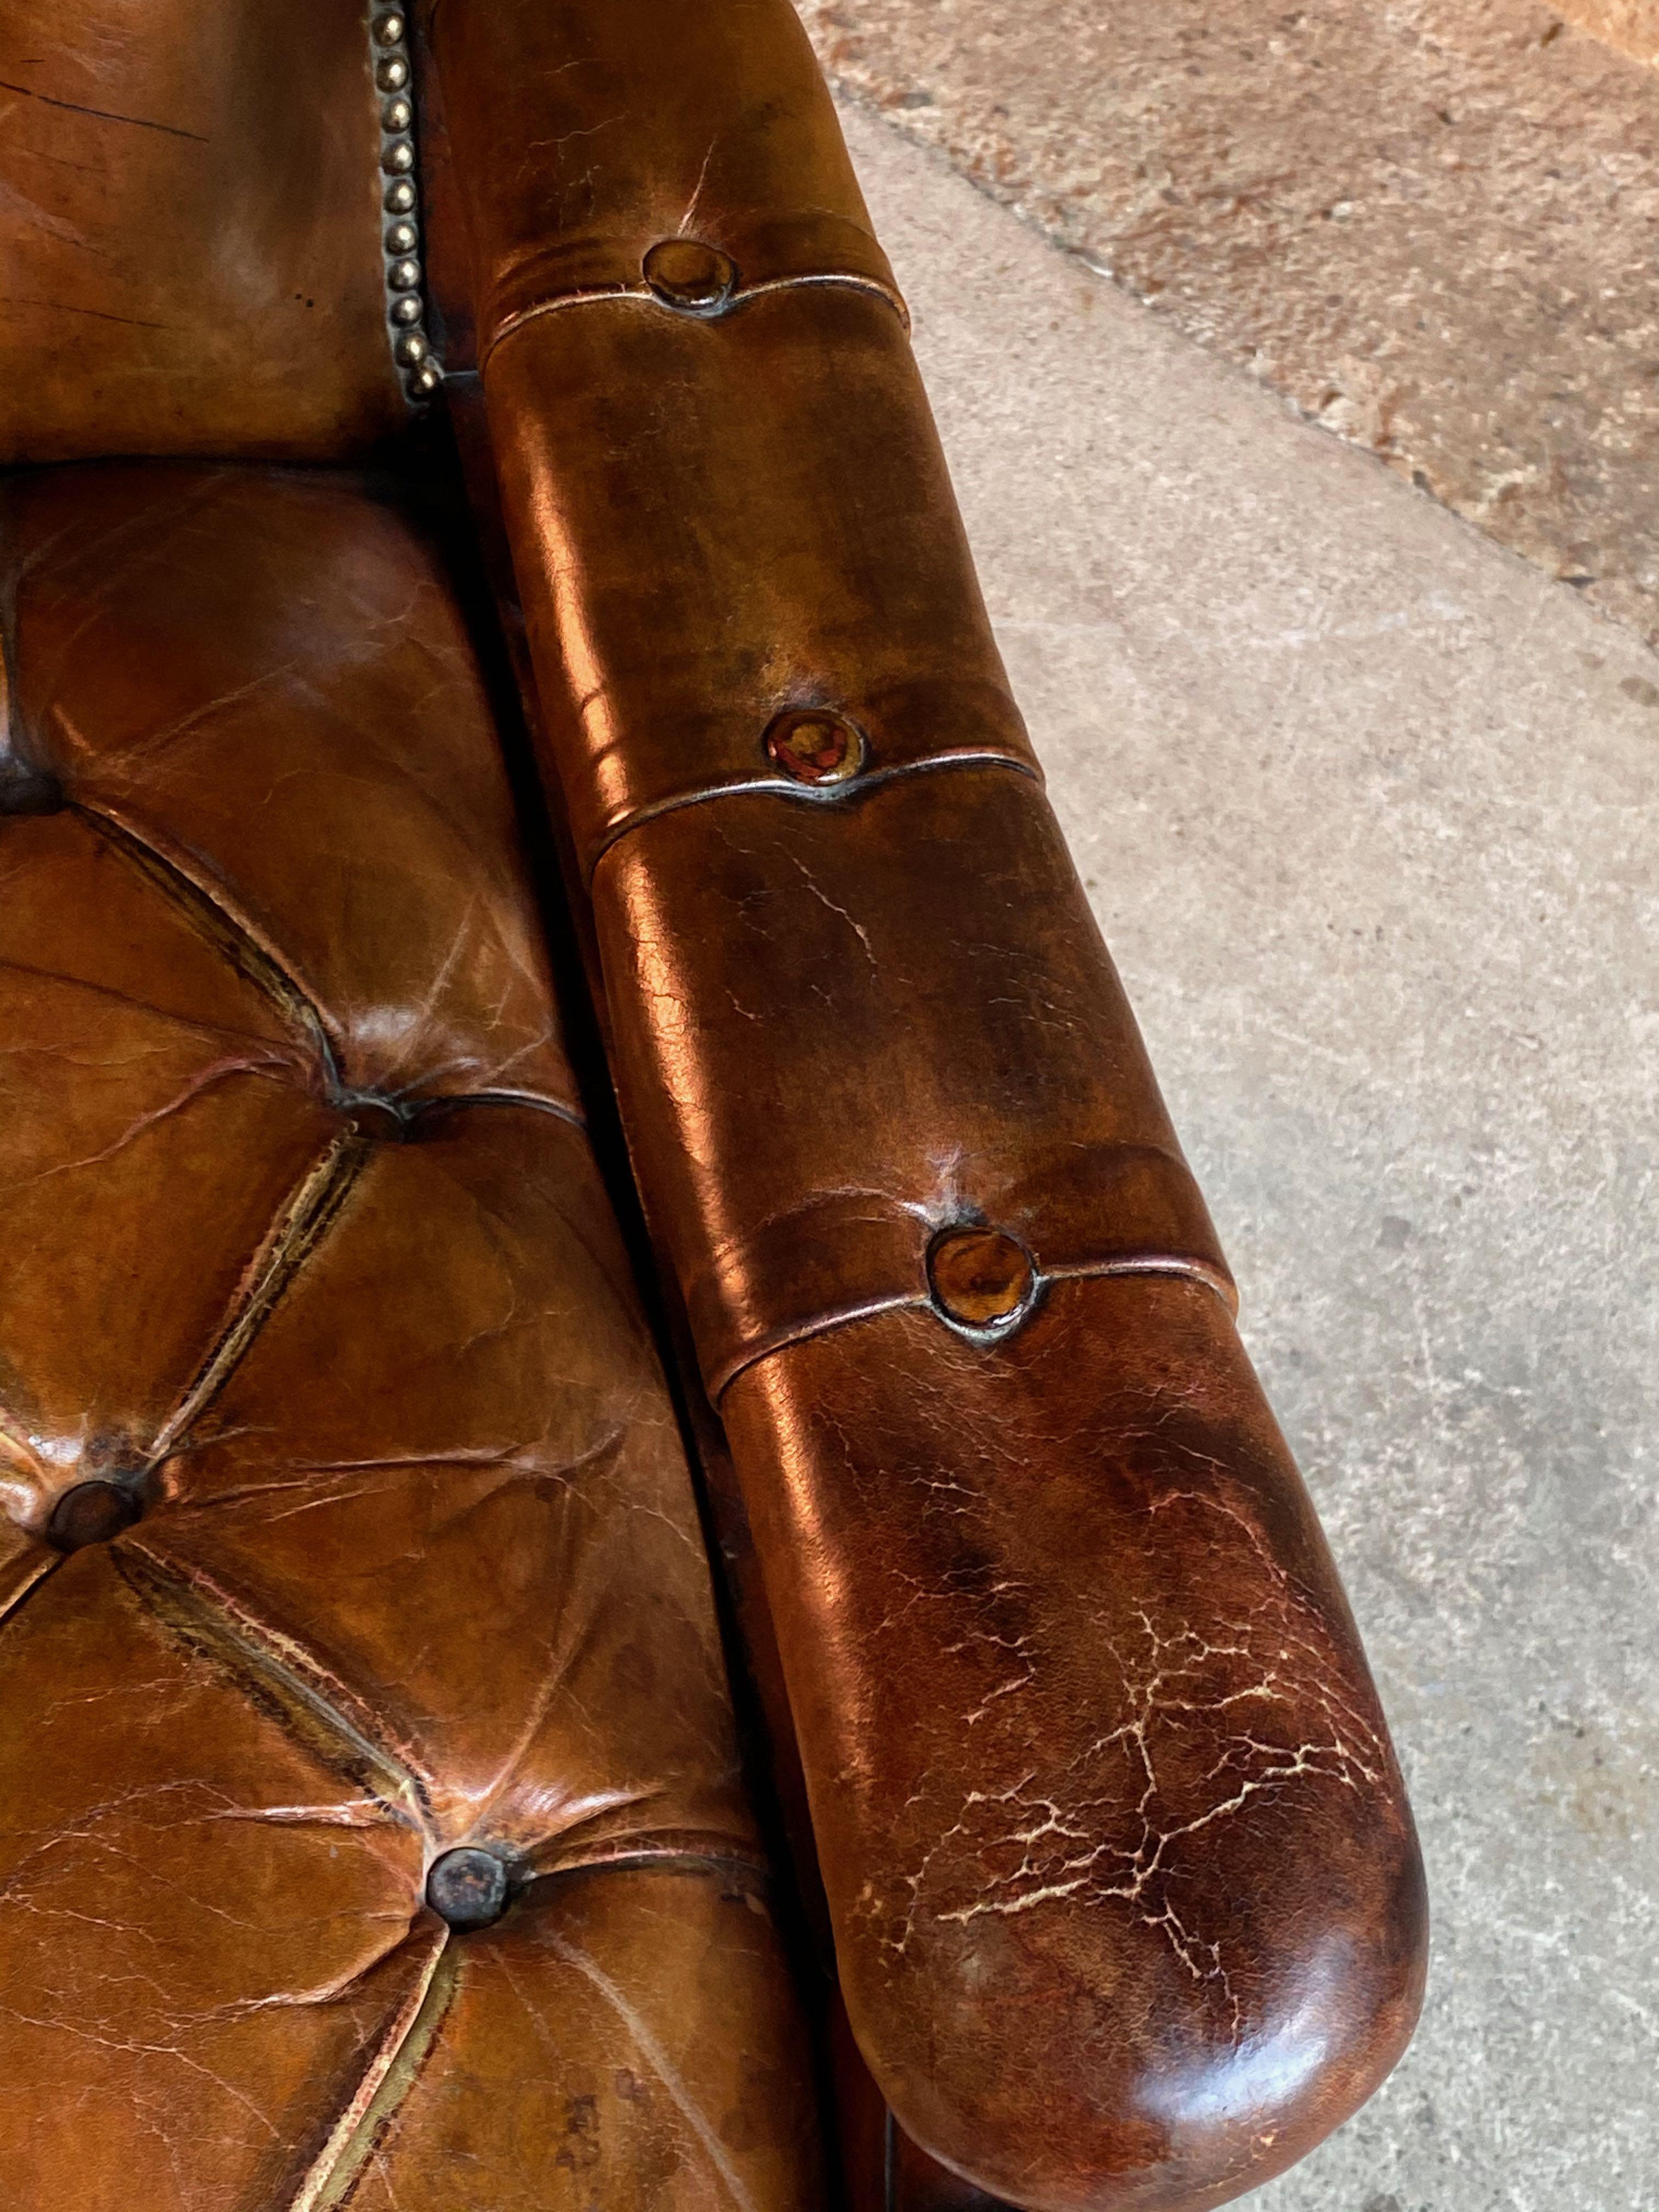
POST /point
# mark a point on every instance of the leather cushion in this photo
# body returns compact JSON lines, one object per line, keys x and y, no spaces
{"x":304,"y":1257}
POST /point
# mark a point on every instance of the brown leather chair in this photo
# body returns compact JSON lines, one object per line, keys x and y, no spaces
{"x":471,"y":519}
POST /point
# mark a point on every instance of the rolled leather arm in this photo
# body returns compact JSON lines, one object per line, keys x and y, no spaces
{"x":1128,"y":1906}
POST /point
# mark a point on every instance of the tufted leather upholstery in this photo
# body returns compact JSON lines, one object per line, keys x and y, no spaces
{"x":189,"y":233}
{"x":346,"y":1521}
{"x":371,"y":1833}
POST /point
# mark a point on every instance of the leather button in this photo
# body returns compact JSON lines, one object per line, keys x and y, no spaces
{"x":815,"y":747}
{"x":687,"y":275}
{"x":980,"y":1278}
{"x":25,"y":790}
{"x":376,"y":1119}
{"x":92,"y":1513}
{"x":467,"y":1888}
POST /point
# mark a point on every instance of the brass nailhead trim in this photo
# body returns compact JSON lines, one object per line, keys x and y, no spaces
{"x":406,"y":310}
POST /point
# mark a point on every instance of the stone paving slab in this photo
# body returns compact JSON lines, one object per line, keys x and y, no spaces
{"x":1365,"y":806}
{"x":1432,"y":225}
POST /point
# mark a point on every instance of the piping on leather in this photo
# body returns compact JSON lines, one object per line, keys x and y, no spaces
{"x":1138,"y":1263}
{"x":779,"y":786}
{"x":641,"y":295}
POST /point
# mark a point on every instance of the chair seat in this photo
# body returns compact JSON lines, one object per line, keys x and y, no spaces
{"x":370,"y":1820}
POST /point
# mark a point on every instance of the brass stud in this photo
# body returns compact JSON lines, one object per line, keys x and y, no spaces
{"x":980,"y":1278}
{"x":467,"y":1888}
{"x":389,"y":30}
{"x":396,"y":115}
{"x":406,"y":310}
{"x":425,"y":380}
{"x":404,"y":276}
{"x":391,"y":75}
{"x":411,"y":349}
{"x":398,"y":158}
{"x":815,"y":745}
{"x":402,"y":238}
{"x":401,"y":198}
{"x":92,"y":1513}
{"x":689,"y":276}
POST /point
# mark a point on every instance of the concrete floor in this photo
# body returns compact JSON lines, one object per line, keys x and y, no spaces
{"x":1364,"y":804}
{"x":1431,"y":224}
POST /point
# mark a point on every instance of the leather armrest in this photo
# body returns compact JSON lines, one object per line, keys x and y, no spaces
{"x":1126,"y":1901}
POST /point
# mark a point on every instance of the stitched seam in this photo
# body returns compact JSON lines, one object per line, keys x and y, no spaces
{"x":427,"y":1108}
{"x":289,"y":1241}
{"x":385,"y":2084}
{"x":224,"y":931}
{"x":206,"y":1619}
{"x":46,"y":1564}
{"x":672,"y":1856}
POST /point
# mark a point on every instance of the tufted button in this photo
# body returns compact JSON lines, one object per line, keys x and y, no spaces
{"x":376,"y":1119}
{"x":815,"y":747}
{"x":467,"y":1888}
{"x":25,"y":790}
{"x":685,"y":273}
{"x":92,"y":1513}
{"x":980,"y":1278}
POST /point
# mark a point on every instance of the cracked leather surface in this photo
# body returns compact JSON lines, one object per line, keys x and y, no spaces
{"x":1090,"y":1742}
{"x":190,"y":231}
{"x":304,"y":1256}
{"x":1128,"y":1906}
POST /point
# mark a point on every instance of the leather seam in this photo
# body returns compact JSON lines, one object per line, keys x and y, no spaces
{"x":529,"y":1102}
{"x":393,"y":2069}
{"x":299,"y":1228}
{"x":681,"y":1858}
{"x":1165,"y":1264}
{"x":803,"y":795}
{"x":224,"y":931}
{"x":642,"y":295}
{"x":45,"y":1567}
{"x":198,"y":1612}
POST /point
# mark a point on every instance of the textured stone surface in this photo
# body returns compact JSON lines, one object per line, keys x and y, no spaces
{"x":1432,"y":224}
{"x":1365,"y":806}
{"x":1630,"y":25}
